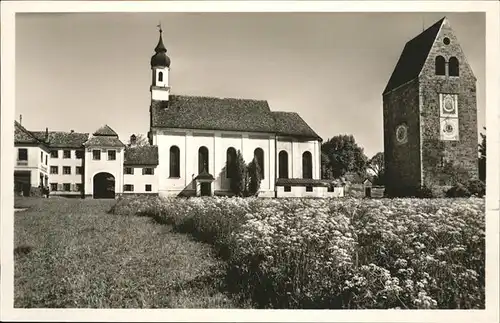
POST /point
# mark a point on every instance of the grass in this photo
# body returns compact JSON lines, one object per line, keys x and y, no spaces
{"x":70,"y":253}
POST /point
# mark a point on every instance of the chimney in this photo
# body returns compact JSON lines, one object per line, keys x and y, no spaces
{"x":21,"y":119}
{"x":133,"y":140}
{"x":46,"y":133}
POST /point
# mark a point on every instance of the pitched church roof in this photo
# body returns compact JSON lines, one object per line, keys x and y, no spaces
{"x":62,"y":139}
{"x":291,"y":124}
{"x":141,"y":155}
{"x":196,"y":112}
{"x":413,"y":57}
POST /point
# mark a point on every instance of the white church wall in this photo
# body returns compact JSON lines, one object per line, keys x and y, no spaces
{"x":164,"y":142}
{"x":295,"y":148}
{"x":165,"y":77}
{"x":217,"y":143}
{"x":160,"y":95}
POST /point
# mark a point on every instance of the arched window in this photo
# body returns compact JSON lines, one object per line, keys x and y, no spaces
{"x":230,"y":161}
{"x":258,"y":153}
{"x":440,"y":65}
{"x":283,"y":164}
{"x":202,"y":159}
{"x":175,"y":165}
{"x":160,"y":77}
{"x":307,"y":165}
{"x":453,"y":66}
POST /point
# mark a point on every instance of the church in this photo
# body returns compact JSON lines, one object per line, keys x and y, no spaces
{"x":193,"y":143}
{"x":430,"y":115}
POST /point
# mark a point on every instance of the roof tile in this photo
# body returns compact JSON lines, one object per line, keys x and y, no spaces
{"x":62,"y":139}
{"x":194,"y":112}
{"x":141,"y":155}
{"x":291,"y":124}
{"x":413,"y":58}
{"x":105,"y":131}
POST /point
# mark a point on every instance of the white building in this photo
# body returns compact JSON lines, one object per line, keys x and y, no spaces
{"x":201,"y":135}
{"x":192,"y":143}
{"x":31,"y":160}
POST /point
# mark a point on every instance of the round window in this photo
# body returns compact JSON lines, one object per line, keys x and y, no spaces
{"x":446,"y":41}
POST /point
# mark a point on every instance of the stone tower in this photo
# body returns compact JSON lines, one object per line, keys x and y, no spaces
{"x":430,"y":114}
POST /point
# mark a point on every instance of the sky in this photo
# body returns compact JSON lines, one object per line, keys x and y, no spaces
{"x":79,"y":71}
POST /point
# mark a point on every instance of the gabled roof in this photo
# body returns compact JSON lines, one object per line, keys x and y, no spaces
{"x":195,"y":112}
{"x":413,"y":57}
{"x":204,"y":175}
{"x":141,"y":155}
{"x":23,"y":136}
{"x":62,"y":139}
{"x":104,"y":137}
{"x":291,"y":124}
{"x":104,"y":141}
{"x":105,"y":131}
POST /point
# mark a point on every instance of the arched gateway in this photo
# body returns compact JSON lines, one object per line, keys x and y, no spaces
{"x":104,"y":186}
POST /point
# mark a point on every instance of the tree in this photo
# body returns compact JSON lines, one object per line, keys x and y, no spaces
{"x":238,"y":175}
{"x":377,"y":166}
{"x":482,"y":157}
{"x":254,"y":177}
{"x":138,"y":140}
{"x":326,"y":169}
{"x":344,"y":155}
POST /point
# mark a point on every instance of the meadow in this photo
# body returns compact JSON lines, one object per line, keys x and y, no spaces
{"x":151,"y":252}
{"x":337,"y":253}
{"x":71,"y":253}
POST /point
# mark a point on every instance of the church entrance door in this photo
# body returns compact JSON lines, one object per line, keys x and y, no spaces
{"x":206,"y":189}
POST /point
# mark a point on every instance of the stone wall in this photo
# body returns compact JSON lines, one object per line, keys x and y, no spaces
{"x":402,"y":161}
{"x":439,"y":156}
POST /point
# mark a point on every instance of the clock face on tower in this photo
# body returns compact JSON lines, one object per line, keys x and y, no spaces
{"x":449,"y":129}
{"x":401,"y":134}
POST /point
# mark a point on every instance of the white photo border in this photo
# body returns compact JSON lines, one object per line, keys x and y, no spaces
{"x":8,"y":16}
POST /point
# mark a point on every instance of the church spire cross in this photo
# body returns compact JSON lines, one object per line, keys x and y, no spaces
{"x":160,"y":47}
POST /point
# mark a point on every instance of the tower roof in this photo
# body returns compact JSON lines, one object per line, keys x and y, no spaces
{"x":414,"y":55}
{"x":160,"y":57}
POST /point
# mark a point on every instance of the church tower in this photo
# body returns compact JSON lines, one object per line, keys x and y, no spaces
{"x":160,"y":88}
{"x":430,"y":114}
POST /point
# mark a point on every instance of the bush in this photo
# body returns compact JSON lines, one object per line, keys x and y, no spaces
{"x":424,"y":192}
{"x":458,"y":190}
{"x":476,"y":187}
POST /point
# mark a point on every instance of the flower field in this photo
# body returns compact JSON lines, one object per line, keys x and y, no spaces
{"x":338,"y":253}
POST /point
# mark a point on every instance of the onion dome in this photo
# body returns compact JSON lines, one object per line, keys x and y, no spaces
{"x":160,"y":58}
